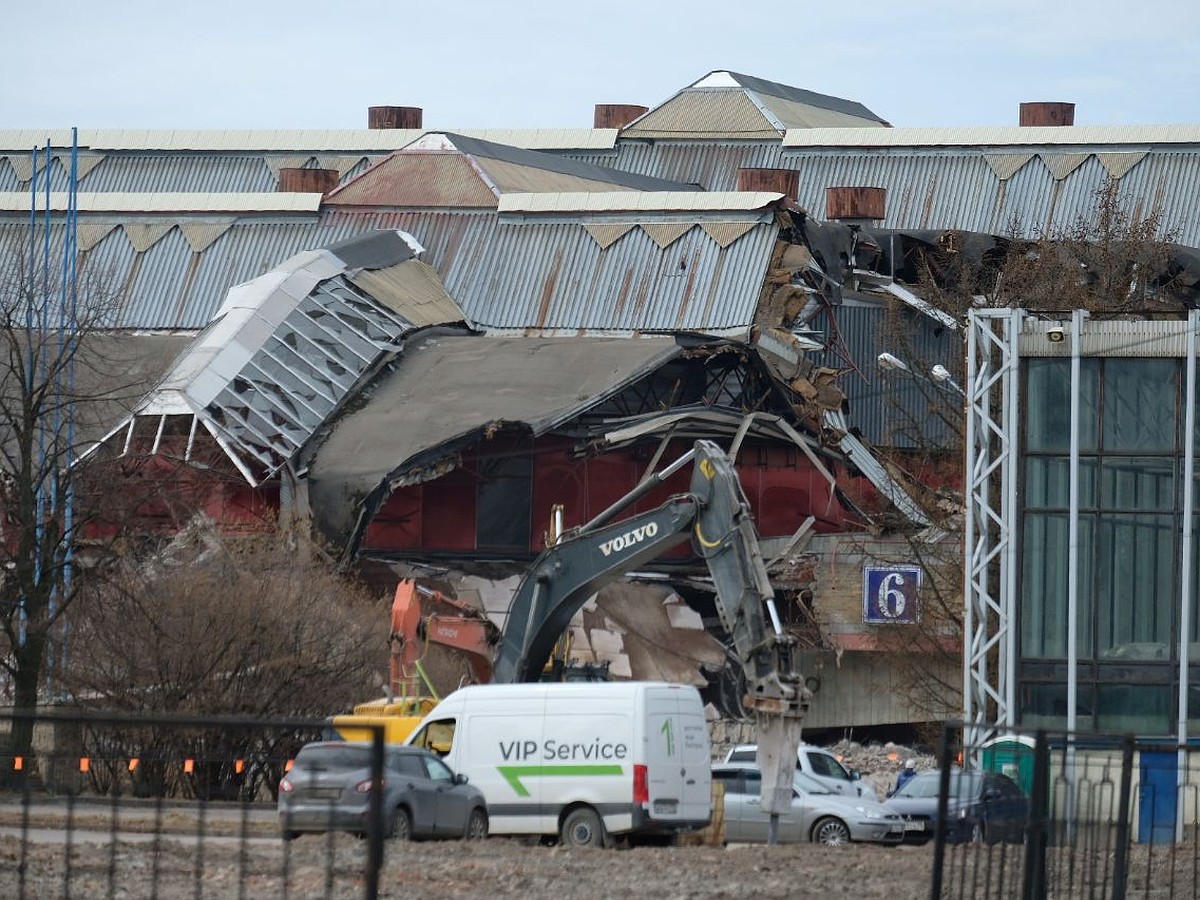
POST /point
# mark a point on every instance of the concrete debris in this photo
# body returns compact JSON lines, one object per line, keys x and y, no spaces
{"x":881,"y":763}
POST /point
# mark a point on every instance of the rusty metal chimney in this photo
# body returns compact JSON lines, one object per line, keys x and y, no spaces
{"x":380,"y":117}
{"x":779,"y":181}
{"x":308,"y":181}
{"x":856,"y":205}
{"x":616,"y":115}
{"x":1048,"y":114}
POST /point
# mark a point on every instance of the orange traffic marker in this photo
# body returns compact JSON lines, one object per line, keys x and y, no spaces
{"x":189,"y":765}
{"x":133,"y":764}
{"x":18,"y":763}
{"x":287,"y":767}
{"x":239,"y":766}
{"x":84,"y":764}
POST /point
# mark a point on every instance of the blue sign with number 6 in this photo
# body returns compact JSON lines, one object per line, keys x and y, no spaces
{"x":891,"y":595}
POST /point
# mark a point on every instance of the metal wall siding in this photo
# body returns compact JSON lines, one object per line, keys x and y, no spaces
{"x":932,"y":187}
{"x":453,"y":241}
{"x":1173,"y":181}
{"x":875,"y":398}
{"x":711,"y":164}
{"x":555,"y":276}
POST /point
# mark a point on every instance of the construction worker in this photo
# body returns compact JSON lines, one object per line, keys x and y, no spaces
{"x":909,"y":770}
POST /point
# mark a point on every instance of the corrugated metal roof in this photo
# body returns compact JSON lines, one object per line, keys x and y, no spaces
{"x":726,"y":104}
{"x":712,"y":112}
{"x":450,"y":170}
{"x":555,"y":275}
{"x":696,"y":201}
{"x":712,"y":164}
{"x":376,"y":140}
{"x":166,"y":203}
{"x":994,"y":136}
{"x":424,"y":179}
{"x":798,"y":96}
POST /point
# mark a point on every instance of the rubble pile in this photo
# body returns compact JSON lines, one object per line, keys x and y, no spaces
{"x":880,"y":763}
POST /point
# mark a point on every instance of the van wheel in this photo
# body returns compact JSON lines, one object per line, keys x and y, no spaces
{"x":830,"y":831}
{"x":477,"y":826}
{"x":582,"y":828}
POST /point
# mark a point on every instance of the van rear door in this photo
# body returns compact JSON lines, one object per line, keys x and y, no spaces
{"x":678,"y":760}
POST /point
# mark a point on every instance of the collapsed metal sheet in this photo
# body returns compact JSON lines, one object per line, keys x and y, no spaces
{"x":443,"y":389}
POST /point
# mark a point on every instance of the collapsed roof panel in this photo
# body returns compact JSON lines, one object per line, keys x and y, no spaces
{"x":445,"y":387}
{"x":287,"y":349}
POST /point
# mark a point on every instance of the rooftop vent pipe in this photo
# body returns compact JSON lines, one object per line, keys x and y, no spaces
{"x":1052,"y":114}
{"x":308,"y":181}
{"x":856,"y":205}
{"x":381,"y":117}
{"x":779,"y":181}
{"x":616,"y":115}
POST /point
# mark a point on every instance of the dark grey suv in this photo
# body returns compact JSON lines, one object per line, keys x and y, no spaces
{"x":329,"y":789}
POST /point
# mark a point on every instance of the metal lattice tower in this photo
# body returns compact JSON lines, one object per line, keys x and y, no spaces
{"x":990,"y":564}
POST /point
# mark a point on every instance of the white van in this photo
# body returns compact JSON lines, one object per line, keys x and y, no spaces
{"x":585,"y":762}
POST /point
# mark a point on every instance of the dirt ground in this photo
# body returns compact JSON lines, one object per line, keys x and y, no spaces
{"x":494,"y":868}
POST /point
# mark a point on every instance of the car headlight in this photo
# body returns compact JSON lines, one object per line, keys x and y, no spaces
{"x":869,"y":813}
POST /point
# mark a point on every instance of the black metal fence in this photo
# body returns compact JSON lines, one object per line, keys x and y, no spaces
{"x":1104,"y":817}
{"x":111,"y":806}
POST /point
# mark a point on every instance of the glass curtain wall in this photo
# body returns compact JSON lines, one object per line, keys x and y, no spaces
{"x":1130,"y":499}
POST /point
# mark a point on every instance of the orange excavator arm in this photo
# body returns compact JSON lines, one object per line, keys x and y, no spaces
{"x":449,"y":623}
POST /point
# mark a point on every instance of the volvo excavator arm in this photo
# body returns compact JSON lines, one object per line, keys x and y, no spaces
{"x":714,"y":513}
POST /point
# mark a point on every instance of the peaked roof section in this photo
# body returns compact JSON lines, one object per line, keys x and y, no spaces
{"x":288,"y":348}
{"x":450,"y":170}
{"x":726,"y":104}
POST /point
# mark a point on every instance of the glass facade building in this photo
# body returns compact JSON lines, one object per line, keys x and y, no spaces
{"x":1130,"y":453}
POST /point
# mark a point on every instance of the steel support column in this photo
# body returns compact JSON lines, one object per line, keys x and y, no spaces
{"x":989,"y":560}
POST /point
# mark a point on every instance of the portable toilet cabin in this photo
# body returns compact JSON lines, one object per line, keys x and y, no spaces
{"x":1011,"y":755}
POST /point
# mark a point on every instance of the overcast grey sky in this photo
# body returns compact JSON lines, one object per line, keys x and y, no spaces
{"x":538,"y":63}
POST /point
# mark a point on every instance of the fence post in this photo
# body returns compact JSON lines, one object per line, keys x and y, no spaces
{"x":1034,"y":884}
{"x":939,"y":839}
{"x":1121,"y":859}
{"x":375,"y":817}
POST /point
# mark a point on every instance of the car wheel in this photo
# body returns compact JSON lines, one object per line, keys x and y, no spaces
{"x":831,"y":831}
{"x":582,"y":828}
{"x":401,"y":828}
{"x":477,"y":826}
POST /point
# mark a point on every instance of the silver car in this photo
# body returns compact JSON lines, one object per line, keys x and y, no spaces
{"x":817,"y":814}
{"x":329,"y":789}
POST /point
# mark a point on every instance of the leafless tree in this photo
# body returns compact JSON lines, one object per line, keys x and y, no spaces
{"x":220,"y":625}
{"x":1115,"y":261}
{"x":59,"y":377}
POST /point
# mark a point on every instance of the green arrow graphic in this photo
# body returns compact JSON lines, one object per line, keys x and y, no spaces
{"x":514,"y":774}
